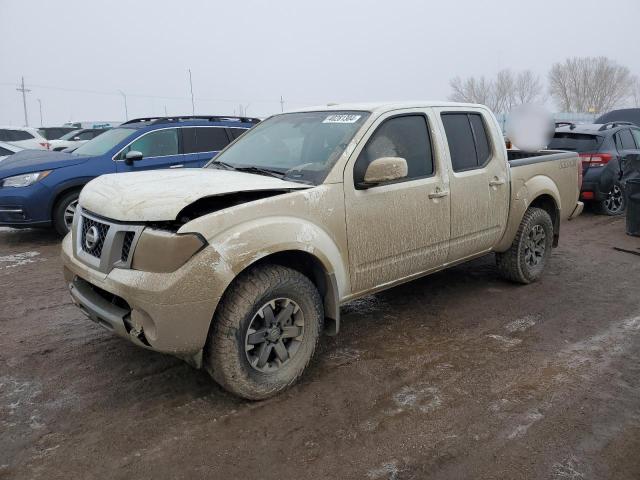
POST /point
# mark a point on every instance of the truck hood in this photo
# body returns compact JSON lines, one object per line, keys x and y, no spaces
{"x":160,"y":195}
{"x":27,"y":161}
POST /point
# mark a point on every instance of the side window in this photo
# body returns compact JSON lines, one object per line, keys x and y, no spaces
{"x":4,"y":151}
{"x":19,"y":135}
{"x":88,"y":135}
{"x":5,"y":135}
{"x":159,"y":143}
{"x":483,"y":150}
{"x":626,"y":140}
{"x":406,"y":137}
{"x":204,"y":139}
{"x":460,"y":138}
{"x":636,"y":137}
{"x":236,"y":132}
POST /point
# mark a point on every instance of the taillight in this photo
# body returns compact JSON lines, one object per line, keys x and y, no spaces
{"x":46,"y":145}
{"x":580,"y":175}
{"x":595,"y":159}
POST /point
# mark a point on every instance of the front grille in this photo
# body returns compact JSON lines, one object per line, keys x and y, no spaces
{"x":102,"y":229}
{"x":126,"y":245}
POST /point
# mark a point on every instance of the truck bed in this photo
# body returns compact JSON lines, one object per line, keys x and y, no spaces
{"x":519,"y":158}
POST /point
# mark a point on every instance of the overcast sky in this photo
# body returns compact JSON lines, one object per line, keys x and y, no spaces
{"x":252,"y":52}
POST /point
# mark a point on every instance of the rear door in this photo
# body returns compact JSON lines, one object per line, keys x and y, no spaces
{"x":201,"y":144}
{"x":478,"y":182}
{"x":160,"y":149}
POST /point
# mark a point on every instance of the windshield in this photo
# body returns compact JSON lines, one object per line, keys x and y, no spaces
{"x":300,"y":146}
{"x":104,"y":142}
{"x":70,"y":135}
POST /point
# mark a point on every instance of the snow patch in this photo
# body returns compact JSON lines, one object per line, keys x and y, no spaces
{"x":17,"y":259}
{"x":507,"y":342}
{"x":522,"y":324}
{"x":388,"y":471}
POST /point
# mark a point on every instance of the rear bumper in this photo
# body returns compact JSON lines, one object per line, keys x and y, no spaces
{"x":577,"y":210}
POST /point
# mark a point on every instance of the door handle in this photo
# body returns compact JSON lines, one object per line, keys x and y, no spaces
{"x":496,"y":181}
{"x":438,"y":193}
{"x":176,"y":166}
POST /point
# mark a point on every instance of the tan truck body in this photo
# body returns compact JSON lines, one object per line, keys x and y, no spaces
{"x":350,"y":242}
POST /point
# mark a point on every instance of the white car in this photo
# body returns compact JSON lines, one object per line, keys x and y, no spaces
{"x":25,"y":137}
{"x":7,"y":149}
{"x":75,"y":138}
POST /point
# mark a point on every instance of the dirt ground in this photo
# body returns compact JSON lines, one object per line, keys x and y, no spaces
{"x":457,"y":375}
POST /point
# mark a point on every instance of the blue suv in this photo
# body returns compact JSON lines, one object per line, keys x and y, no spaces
{"x":41,"y":188}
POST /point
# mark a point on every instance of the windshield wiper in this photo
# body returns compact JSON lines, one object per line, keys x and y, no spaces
{"x":226,"y":166}
{"x":261,"y":171}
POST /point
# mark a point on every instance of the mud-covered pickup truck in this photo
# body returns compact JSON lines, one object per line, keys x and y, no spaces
{"x":239,"y":267}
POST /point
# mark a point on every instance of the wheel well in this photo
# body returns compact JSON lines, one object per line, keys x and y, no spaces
{"x":314,"y":270}
{"x":62,"y":194}
{"x":548,"y":204}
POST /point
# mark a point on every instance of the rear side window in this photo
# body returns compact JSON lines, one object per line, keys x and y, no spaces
{"x":236,"y":132}
{"x":5,"y":135}
{"x":18,"y":135}
{"x":636,"y":136}
{"x":467,"y":151}
{"x":4,"y":152}
{"x":626,"y":140}
{"x":575,"y":142}
{"x":204,"y":139}
{"x":406,"y":137}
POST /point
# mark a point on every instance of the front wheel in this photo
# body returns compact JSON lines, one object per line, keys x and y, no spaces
{"x":64,"y":211}
{"x":614,"y":204}
{"x":265,"y":332}
{"x":525,"y":260}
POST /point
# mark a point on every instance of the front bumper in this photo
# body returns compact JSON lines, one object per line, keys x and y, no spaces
{"x":169,"y":313}
{"x":25,"y":206}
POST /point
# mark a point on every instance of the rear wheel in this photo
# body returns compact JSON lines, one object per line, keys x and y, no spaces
{"x":64,"y":211}
{"x":614,"y":204}
{"x":525,"y":260}
{"x":265,"y":332}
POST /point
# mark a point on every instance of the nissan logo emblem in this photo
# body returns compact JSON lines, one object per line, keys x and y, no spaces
{"x":91,"y":238}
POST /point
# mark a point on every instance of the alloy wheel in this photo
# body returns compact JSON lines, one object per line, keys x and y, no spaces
{"x":69,"y":213}
{"x":614,"y":202}
{"x":535,"y":246}
{"x":274,"y":335}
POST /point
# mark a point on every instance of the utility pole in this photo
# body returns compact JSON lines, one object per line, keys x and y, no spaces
{"x":126,"y":110}
{"x":281,"y":104}
{"x":165,"y":111}
{"x":41,"y":122}
{"x":24,"y":101}
{"x":193,"y":103}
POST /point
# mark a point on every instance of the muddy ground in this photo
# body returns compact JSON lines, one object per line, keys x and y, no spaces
{"x":457,"y":375}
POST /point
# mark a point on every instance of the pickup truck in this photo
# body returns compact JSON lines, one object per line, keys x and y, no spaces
{"x":239,"y":267}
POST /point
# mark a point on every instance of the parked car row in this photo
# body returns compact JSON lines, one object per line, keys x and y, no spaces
{"x":42,"y":188}
{"x":49,"y":138}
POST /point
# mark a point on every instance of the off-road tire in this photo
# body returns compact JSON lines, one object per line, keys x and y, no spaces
{"x":512,"y":264}
{"x":61,"y":205}
{"x":225,"y":358}
{"x":612,"y":206}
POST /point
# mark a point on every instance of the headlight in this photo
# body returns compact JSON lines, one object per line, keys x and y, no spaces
{"x":162,"y":252}
{"x":24,"y":180}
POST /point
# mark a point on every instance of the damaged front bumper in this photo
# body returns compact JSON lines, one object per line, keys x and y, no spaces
{"x":165,"y":312}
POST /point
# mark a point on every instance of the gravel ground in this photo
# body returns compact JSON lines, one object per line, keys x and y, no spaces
{"x":457,"y":375}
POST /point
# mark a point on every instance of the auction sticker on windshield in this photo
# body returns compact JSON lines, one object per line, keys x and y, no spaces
{"x":342,"y":118}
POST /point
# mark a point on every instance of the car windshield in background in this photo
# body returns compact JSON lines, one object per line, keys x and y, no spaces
{"x":70,"y":135}
{"x":104,"y":142}
{"x":300,"y":147}
{"x":575,"y":142}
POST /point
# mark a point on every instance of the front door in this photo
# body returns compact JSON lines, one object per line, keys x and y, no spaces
{"x":397,"y":229}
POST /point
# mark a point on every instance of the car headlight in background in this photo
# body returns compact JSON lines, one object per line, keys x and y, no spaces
{"x":24,"y":180}
{"x":160,"y":251}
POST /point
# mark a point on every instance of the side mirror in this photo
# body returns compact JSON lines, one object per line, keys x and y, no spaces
{"x":132,"y":156}
{"x":384,"y":169}
{"x":75,"y":139}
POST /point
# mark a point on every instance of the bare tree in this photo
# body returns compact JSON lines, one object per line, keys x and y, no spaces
{"x":634,"y":96}
{"x":589,"y":84}
{"x":501,"y":94}
{"x":528,"y":88}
